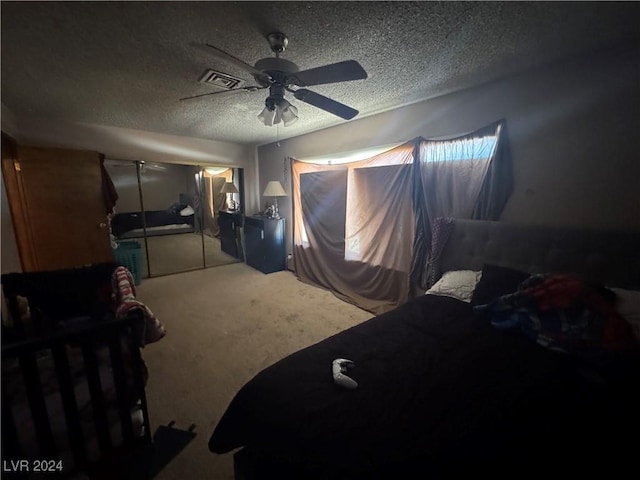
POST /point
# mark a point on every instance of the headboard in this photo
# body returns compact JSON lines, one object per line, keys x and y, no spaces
{"x":610,"y":257}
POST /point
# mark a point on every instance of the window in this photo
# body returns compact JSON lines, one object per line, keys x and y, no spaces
{"x":479,"y":148}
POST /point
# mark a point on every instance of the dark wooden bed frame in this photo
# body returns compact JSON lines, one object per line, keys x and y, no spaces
{"x":610,"y":257}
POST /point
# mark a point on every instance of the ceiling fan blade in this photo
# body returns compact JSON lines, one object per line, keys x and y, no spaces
{"x":333,"y":73}
{"x":231,"y":59}
{"x":325,"y":103}
{"x":228,"y":92}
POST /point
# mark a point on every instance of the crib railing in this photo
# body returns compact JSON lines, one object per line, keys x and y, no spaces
{"x":117,"y":337}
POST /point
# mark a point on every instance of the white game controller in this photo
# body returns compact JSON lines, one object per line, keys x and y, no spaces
{"x":340,"y":367}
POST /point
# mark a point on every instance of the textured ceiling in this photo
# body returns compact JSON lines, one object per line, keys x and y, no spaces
{"x":127,"y":64}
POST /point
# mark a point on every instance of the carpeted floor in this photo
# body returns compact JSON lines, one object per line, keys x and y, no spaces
{"x":224,"y":325}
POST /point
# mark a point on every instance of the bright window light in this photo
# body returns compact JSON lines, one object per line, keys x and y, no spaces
{"x":351,"y":156}
{"x":216,"y":170}
{"x":481,"y":148}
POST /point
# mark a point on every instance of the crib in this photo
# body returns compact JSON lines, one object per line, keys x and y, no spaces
{"x":73,"y":378}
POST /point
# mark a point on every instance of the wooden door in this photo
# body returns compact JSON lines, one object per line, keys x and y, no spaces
{"x":14,"y":192}
{"x":63,"y":208}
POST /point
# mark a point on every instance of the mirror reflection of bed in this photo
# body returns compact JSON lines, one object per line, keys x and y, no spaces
{"x":178,"y":207}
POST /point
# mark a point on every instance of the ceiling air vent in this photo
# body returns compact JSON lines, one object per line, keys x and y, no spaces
{"x":221,"y":80}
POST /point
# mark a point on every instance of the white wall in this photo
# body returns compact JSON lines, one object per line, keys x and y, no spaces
{"x":126,"y":144}
{"x":161,"y":188}
{"x":8,"y":119}
{"x":574,"y":131}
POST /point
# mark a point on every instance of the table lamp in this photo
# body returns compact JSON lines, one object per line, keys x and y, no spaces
{"x":229,"y":189}
{"x":274,"y":189}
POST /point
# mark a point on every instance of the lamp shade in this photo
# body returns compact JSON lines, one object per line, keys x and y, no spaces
{"x":288,"y":112}
{"x":274,"y":189}
{"x":229,"y":187}
{"x":278,"y":110}
{"x":268,"y":116}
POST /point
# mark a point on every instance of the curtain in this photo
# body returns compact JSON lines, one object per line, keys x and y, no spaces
{"x":463,"y":177}
{"x":209,"y":223}
{"x":363,"y":229}
{"x":215,"y":200}
{"x":498,"y":183}
{"x":353,"y":227}
{"x":197,"y":199}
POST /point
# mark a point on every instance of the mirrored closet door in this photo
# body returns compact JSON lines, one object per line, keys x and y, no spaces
{"x":169,"y":214}
{"x":222,"y":216}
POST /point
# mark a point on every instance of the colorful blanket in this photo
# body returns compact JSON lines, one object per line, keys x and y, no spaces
{"x":563,"y":313}
{"x":124,"y":291}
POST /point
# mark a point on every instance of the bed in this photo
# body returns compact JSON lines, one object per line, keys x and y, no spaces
{"x":179,"y":218}
{"x":73,"y":379}
{"x":444,"y":389}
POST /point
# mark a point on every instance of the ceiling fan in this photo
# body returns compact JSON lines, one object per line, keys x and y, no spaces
{"x":280,"y":76}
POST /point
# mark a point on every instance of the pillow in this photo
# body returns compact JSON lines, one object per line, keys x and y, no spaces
{"x":187,"y":211}
{"x":495,"y":282}
{"x":628,"y":306}
{"x":457,"y":284}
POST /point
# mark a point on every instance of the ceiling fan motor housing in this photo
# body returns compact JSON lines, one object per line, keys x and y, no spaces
{"x":276,"y":95}
{"x":278,"y":42}
{"x":277,"y":68}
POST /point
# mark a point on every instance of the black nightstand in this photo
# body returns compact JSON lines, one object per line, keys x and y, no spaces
{"x":229,"y":222}
{"x":264,"y":243}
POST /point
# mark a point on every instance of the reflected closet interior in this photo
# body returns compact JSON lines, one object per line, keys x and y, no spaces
{"x":178,"y":217}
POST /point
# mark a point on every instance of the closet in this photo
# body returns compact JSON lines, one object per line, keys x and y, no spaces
{"x":174,"y":214}
{"x":71,"y":208}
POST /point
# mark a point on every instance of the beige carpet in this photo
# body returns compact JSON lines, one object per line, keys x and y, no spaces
{"x":182,"y":252}
{"x":224,"y":325}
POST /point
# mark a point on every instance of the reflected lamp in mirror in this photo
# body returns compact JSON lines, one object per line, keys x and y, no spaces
{"x":229,"y":189}
{"x":274,"y":189}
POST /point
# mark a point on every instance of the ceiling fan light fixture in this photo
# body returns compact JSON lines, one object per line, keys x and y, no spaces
{"x":267,"y":116}
{"x":278,"y":110}
{"x":278,"y":117}
{"x":288,"y":112}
